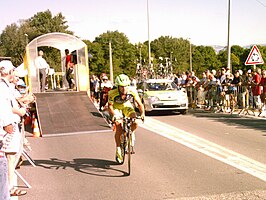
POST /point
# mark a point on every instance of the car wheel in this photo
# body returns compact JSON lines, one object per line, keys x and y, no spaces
{"x":183,"y":112}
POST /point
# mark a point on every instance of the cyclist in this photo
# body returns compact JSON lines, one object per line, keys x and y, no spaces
{"x":120,"y":99}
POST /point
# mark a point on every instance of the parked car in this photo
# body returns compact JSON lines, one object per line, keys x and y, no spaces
{"x":163,"y":94}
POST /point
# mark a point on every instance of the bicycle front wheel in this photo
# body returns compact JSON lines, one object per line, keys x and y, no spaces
{"x":123,"y":147}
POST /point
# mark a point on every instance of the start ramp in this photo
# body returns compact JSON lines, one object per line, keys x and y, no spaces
{"x":68,"y":112}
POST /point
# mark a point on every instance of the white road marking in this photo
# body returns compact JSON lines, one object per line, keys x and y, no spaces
{"x":75,"y":133}
{"x":206,"y":147}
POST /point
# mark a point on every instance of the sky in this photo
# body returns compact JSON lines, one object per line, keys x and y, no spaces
{"x":205,"y":22}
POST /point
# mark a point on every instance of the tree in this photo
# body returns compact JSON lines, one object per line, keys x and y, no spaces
{"x":176,"y":49}
{"x":237,"y":59}
{"x":204,"y":57}
{"x":44,"y":22}
{"x":14,"y":37}
{"x":123,"y":53}
{"x":97,"y":61}
{"x":13,"y":43}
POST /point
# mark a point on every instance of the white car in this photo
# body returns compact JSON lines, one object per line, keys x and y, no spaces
{"x":163,"y":94}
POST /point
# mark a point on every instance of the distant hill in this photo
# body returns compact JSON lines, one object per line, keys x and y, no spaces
{"x":218,"y":48}
{"x":249,"y":46}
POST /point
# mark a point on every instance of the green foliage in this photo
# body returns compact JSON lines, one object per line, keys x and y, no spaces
{"x":239,"y":56}
{"x":263,"y":55}
{"x":15,"y":37}
{"x":123,"y":54}
{"x":43,"y":22}
{"x":204,"y":57}
{"x":176,"y":49}
{"x":13,"y":43}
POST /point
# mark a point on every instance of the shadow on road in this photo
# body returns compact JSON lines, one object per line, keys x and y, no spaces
{"x":90,"y":166}
{"x":163,"y":113}
{"x":96,"y":114}
{"x":234,"y":120}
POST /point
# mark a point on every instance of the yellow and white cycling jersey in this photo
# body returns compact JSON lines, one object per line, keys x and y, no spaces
{"x":125,"y":105}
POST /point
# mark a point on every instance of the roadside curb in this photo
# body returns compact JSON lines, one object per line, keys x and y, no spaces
{"x":235,"y":113}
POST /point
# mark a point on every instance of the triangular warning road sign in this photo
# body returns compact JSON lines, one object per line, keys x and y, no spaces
{"x":254,"y":57}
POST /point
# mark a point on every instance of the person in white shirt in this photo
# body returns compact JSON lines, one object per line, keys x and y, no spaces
{"x":11,"y":122}
{"x":6,"y":127}
{"x":42,"y":66}
{"x":4,"y":190}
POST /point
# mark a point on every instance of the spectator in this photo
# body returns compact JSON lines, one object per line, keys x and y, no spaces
{"x":263,"y":84}
{"x":227,"y":71}
{"x":4,"y":186}
{"x":69,"y":70}
{"x":226,"y":92}
{"x":133,"y":82}
{"x":256,"y":90}
{"x":214,"y":73}
{"x":105,"y":86}
{"x":249,"y":87}
{"x":202,"y":89}
{"x":42,"y":66}
{"x":92,"y":88}
{"x":184,"y":78}
{"x":243,"y":90}
{"x":212,"y":90}
{"x":96,"y":86}
{"x":11,"y":144}
{"x":178,"y":79}
{"x":235,"y":86}
{"x":222,"y":76}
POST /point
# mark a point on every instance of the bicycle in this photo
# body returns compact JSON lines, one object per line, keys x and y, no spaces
{"x":127,"y":139}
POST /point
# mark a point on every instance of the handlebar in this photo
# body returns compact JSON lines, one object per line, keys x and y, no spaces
{"x":128,"y":118}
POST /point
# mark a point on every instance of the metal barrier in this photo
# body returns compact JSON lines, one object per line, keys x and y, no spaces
{"x":23,"y":152}
{"x":226,"y":98}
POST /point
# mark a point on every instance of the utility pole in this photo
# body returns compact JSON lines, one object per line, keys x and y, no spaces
{"x":140,"y":62}
{"x":111,"y":62}
{"x":149,"y":42}
{"x":228,"y":39}
{"x":171,"y":64}
{"x":190,"y":56}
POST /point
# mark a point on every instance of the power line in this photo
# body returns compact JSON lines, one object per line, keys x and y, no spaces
{"x":261,"y":3}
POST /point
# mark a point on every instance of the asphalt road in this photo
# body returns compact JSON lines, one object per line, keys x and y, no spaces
{"x":195,"y":162}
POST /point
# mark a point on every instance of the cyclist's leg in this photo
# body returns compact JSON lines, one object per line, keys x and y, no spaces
{"x":118,"y":128}
{"x":134,"y":124}
{"x":118,"y":133}
{"x":132,"y":114}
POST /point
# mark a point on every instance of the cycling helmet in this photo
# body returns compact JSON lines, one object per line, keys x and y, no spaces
{"x":122,"y":80}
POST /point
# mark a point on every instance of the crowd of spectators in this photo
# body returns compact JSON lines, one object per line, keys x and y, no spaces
{"x":225,"y":91}
{"x":99,"y":87}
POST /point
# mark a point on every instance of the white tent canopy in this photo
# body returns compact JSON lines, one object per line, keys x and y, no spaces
{"x":60,"y":41}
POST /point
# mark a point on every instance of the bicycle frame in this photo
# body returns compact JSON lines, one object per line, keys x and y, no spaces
{"x":126,"y":140}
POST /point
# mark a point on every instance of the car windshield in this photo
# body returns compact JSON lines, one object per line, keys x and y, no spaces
{"x":161,"y":86}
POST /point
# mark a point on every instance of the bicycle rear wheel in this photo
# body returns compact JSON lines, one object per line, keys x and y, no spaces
{"x":129,"y":152}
